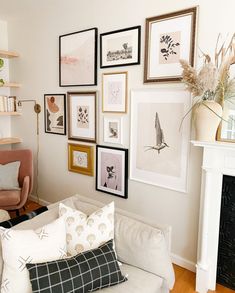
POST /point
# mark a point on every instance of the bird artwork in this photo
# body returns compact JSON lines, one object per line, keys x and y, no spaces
{"x":160,"y":141}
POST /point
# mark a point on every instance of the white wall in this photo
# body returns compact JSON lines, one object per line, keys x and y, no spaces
{"x":35,"y":37}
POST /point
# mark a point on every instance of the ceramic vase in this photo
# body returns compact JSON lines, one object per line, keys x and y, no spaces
{"x":207,"y":117}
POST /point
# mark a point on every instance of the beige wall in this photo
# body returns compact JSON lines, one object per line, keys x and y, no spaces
{"x":35,"y":36}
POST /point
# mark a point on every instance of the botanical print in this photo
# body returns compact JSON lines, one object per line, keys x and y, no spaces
{"x":55,"y":114}
{"x":159,"y":152}
{"x":119,"y":48}
{"x":83,"y":116}
{"x":80,"y":159}
{"x":115,"y":92}
{"x":111,"y":171}
{"x":160,"y":141}
{"x":169,"y":47}
{"x":113,"y":130}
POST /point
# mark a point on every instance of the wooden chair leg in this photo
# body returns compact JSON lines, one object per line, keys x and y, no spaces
{"x":17,"y":213}
{"x":24,"y":208}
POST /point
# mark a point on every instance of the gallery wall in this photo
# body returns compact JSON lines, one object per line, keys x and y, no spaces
{"x":34,"y":34}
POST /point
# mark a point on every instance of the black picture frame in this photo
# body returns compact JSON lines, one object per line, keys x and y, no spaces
{"x":112,"y":179}
{"x":120,"y":61}
{"x":76,"y":79}
{"x":51,"y":108}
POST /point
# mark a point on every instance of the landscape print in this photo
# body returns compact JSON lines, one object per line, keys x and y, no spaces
{"x":119,"y":48}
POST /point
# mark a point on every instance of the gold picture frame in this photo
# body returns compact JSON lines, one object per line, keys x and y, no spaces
{"x":114,"y":92}
{"x":81,"y":159}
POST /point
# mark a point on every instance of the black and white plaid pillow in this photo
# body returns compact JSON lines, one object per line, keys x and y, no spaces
{"x":85,"y":272}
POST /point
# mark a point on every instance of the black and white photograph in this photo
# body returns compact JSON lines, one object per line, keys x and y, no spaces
{"x":121,"y":47}
{"x":113,"y":130}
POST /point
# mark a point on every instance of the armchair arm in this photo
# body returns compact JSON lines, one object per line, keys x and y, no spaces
{"x":24,"y":191}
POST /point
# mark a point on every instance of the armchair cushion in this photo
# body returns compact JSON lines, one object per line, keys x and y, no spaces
{"x":9,"y":176}
{"x":9,"y":198}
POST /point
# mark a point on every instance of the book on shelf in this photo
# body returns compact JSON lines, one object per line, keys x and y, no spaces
{"x":7,"y":103}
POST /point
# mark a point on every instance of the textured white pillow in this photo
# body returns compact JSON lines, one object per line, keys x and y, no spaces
{"x":27,"y":246}
{"x":9,"y":176}
{"x":87,"y":232}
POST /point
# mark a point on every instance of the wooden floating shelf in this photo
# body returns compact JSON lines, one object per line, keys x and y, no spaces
{"x":8,"y":54}
{"x":3,"y":113}
{"x":11,"y":84}
{"x":10,"y":140}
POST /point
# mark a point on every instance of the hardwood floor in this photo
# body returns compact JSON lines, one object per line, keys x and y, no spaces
{"x":185,"y":280}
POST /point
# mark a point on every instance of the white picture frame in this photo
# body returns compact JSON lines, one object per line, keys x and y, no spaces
{"x":113,"y":131}
{"x":159,"y":147}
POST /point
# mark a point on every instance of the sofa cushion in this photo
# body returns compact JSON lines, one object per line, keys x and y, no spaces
{"x":87,"y":232}
{"x":139,"y":281}
{"x":85,"y":272}
{"x":28,"y":246}
{"x":9,"y":197}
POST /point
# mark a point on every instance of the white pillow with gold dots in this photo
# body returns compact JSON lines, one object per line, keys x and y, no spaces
{"x":87,"y":232}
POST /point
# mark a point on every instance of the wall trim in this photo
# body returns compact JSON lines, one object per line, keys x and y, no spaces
{"x":39,"y":200}
{"x":183,"y":262}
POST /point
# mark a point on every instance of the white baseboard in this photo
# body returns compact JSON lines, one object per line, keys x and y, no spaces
{"x":184,"y":263}
{"x":39,"y":200}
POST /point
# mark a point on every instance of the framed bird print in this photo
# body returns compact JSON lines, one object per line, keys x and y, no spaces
{"x":159,"y":146}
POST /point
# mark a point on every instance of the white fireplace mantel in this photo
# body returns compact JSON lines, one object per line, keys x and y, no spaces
{"x":218,"y":160}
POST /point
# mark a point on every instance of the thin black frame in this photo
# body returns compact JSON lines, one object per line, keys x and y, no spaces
{"x":138,"y":27}
{"x":125,"y":170}
{"x":95,"y":57}
{"x":45,"y":123}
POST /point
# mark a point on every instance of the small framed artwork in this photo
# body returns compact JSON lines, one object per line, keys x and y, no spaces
{"x":55,"y":113}
{"x":78,"y":58}
{"x":113,"y":130}
{"x":120,"y":47}
{"x":159,"y":148}
{"x":82,"y":116}
{"x":114,"y":92}
{"x":226,"y":130}
{"x":81,"y":159}
{"x":112,"y":170}
{"x":169,"y":38}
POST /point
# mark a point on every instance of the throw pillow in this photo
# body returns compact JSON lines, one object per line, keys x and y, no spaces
{"x":15,"y":221}
{"x":9,"y":176}
{"x":27,"y":246}
{"x":87,"y":232}
{"x":89,"y":271}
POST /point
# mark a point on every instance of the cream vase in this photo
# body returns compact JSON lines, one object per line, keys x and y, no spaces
{"x":206,"y":121}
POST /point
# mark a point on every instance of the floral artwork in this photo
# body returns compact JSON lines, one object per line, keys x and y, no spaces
{"x":80,"y":159}
{"x":55,"y":114}
{"x":115,"y":92}
{"x":83,"y":116}
{"x":169,"y":48}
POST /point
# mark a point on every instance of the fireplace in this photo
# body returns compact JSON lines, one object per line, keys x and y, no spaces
{"x":218,"y":162}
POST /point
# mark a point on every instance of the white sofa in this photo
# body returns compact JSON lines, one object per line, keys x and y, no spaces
{"x":142,"y":248}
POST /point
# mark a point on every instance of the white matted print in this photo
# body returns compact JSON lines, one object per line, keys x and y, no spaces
{"x":113,"y":130}
{"x":115,"y":92}
{"x":82,"y":116}
{"x":159,"y":148}
{"x":112,"y":170}
{"x":169,"y":38}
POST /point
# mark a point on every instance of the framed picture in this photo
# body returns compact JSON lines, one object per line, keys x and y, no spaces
{"x":169,"y":38}
{"x":81,"y":159}
{"x":159,"y":147}
{"x":82,"y":116}
{"x":114,"y":92}
{"x":113,"y":130}
{"x":112,"y":170}
{"x":121,"y":47}
{"x":78,"y":58}
{"x":55,"y":113}
{"x":226,"y":131}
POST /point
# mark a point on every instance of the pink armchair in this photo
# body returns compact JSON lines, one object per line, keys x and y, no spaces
{"x":16,"y":199}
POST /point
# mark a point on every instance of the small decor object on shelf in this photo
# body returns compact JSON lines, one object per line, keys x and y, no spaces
{"x":78,"y":58}
{"x":113,"y":130}
{"x":169,"y":38}
{"x":159,"y":151}
{"x":112,"y":170}
{"x":80,"y":159}
{"x":1,"y":65}
{"x":55,"y":113}
{"x":114,"y":92}
{"x":212,"y":87}
{"x":120,"y":47}
{"x":82,"y":116}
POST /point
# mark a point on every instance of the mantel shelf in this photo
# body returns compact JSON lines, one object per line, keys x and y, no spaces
{"x":10,"y":140}
{"x":214,"y":144}
{"x":8,"y":54}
